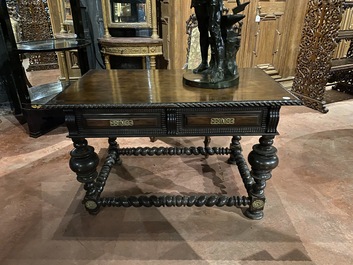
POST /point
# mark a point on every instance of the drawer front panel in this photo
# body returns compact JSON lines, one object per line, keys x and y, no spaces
{"x":222,"y":121}
{"x":127,"y":123}
{"x":122,"y":121}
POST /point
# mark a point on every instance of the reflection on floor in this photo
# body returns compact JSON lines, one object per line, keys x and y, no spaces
{"x":308,"y":215}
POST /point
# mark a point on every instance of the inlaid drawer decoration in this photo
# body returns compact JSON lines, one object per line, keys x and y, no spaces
{"x":127,"y":121}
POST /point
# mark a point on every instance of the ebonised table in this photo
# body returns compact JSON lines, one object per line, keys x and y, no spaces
{"x":156,"y":103}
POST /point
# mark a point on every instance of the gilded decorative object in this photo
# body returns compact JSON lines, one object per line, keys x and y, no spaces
{"x":130,"y":14}
{"x":91,"y":205}
{"x":131,"y":47}
{"x":258,"y":204}
{"x":36,"y":106}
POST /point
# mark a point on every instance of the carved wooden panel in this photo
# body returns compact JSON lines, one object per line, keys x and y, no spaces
{"x":321,"y":26}
{"x":35,"y":25}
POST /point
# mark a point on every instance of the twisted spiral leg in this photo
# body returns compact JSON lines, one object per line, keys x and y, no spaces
{"x":236,"y":157}
{"x":177,"y":201}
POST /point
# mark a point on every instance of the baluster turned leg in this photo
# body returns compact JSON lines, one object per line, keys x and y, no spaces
{"x":84,"y":163}
{"x":263,"y":160}
{"x":107,"y":62}
{"x":153,"y":62}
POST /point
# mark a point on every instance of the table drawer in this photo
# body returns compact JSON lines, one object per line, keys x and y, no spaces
{"x":222,"y":121}
{"x":127,"y":121}
{"x":123,"y":124}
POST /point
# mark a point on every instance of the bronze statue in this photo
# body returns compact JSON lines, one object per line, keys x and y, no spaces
{"x":208,"y":15}
{"x":219,"y":31}
{"x":201,"y":12}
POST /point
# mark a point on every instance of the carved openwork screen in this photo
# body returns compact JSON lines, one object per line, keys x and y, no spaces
{"x":128,"y":13}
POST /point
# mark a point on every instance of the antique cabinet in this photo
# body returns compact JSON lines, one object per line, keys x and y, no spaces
{"x":140,"y":18}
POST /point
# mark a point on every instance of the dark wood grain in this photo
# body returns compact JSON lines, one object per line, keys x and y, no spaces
{"x":165,"y":86}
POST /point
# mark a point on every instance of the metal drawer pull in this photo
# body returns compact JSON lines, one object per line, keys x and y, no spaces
{"x":121,"y":123}
{"x":218,"y":121}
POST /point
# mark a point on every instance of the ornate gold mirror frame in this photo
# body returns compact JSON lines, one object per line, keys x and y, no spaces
{"x":141,"y":13}
{"x":127,"y":13}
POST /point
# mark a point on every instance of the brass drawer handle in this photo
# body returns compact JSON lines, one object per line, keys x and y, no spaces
{"x":222,"y":121}
{"x":121,"y":123}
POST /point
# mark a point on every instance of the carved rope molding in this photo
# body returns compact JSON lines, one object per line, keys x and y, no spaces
{"x":321,"y":26}
{"x":176,"y":201}
{"x":179,"y":105}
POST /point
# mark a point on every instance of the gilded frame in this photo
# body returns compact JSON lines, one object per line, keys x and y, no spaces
{"x":66,"y":11}
{"x":107,"y":14}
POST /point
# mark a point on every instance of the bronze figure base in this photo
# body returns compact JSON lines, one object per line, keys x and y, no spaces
{"x":204,"y":81}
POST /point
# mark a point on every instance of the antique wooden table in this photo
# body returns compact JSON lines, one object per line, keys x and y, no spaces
{"x":155,"y":103}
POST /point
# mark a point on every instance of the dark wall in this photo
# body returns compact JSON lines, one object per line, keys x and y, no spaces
{"x":95,"y":25}
{"x":4,"y":61}
{"x":88,"y":23}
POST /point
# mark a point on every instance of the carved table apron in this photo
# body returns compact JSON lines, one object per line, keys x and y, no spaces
{"x":155,"y":103}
